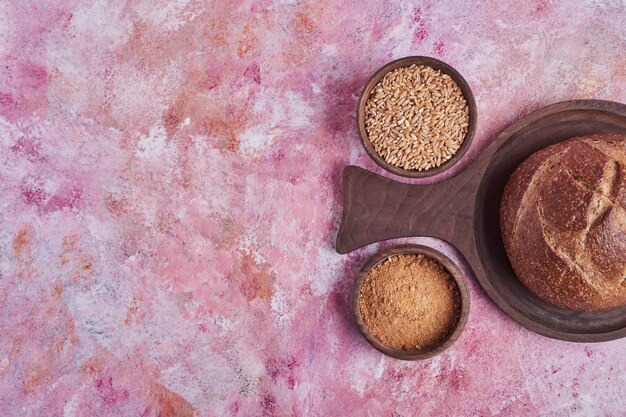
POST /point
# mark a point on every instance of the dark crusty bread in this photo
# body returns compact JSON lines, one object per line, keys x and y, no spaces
{"x":563,"y":221}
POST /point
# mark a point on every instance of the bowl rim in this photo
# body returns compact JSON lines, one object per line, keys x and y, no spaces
{"x":405,"y":62}
{"x":455,"y":273}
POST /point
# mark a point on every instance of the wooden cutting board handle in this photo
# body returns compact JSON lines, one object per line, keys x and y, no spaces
{"x":378,"y":208}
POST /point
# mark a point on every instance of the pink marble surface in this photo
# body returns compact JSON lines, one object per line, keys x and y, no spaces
{"x":170,"y":194}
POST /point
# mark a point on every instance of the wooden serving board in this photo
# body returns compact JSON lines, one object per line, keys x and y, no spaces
{"x":464,"y":211}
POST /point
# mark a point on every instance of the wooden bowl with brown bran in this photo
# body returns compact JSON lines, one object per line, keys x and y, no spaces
{"x":410,"y":302}
{"x":416,"y":116}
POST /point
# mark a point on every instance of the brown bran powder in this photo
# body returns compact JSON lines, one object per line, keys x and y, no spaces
{"x":409,"y":302}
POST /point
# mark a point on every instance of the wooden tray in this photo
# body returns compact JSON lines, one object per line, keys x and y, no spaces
{"x":464,"y":211}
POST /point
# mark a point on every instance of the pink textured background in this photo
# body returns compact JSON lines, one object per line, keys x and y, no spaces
{"x":170,"y":196}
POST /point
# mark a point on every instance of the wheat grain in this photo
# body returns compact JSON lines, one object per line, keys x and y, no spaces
{"x":416,"y":117}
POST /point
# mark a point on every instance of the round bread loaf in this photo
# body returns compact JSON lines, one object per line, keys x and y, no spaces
{"x":563,"y":221}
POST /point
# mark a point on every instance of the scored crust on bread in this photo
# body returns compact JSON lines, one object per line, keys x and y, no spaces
{"x":563,"y":222}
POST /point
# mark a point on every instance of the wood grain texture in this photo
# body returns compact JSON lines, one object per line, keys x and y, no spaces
{"x":457,"y":276}
{"x":405,"y":62}
{"x":464,"y":211}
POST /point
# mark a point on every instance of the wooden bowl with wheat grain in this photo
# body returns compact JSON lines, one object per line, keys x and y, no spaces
{"x":407,"y":62}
